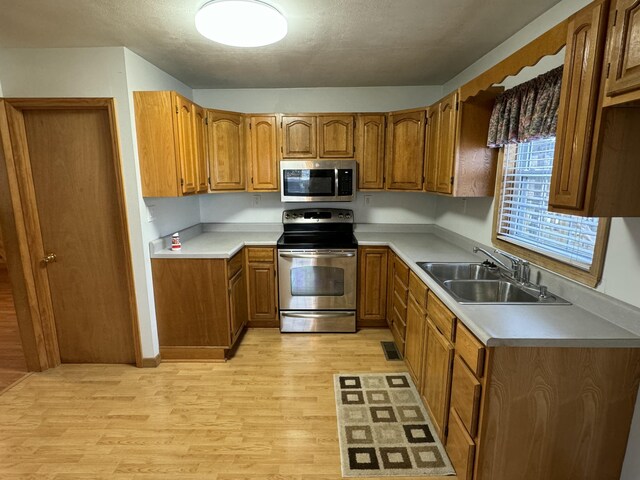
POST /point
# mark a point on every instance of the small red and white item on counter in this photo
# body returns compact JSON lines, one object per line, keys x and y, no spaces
{"x":175,"y":242}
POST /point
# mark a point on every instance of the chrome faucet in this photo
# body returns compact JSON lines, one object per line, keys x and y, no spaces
{"x":520,"y":269}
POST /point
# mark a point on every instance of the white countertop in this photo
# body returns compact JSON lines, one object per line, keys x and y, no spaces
{"x":494,"y":325}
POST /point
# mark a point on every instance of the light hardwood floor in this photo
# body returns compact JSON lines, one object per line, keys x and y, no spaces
{"x":12,"y":362}
{"x":268,"y":413}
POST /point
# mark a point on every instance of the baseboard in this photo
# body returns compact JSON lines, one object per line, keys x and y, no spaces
{"x":263,"y":323}
{"x":152,"y":362}
{"x":363,"y":323}
{"x":193,"y":354}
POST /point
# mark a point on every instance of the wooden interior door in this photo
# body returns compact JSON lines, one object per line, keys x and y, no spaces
{"x":78,"y":195}
{"x":226,"y":150}
{"x":624,"y":73}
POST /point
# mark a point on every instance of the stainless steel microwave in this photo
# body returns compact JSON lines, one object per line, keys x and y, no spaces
{"x":318,"y":180}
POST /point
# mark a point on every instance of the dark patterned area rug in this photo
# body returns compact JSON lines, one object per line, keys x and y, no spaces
{"x":384,"y":429}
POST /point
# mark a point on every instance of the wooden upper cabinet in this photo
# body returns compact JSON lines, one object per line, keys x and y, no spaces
{"x":447,"y":112}
{"x":299,"y":136}
{"x":624,"y":68}
{"x":457,"y":159}
{"x":263,"y":153}
{"x":578,"y":104}
{"x":405,"y":150}
{"x":370,"y":133}
{"x":335,"y":136}
{"x":431,"y":149}
{"x":226,"y":150}
{"x":200,"y":126}
{"x":168,"y":143}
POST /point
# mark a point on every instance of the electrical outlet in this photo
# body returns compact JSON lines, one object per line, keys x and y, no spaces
{"x":256,"y":200}
{"x":368,"y":200}
{"x":151,"y":213}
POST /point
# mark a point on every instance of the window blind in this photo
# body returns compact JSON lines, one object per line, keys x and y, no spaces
{"x":524,"y":219}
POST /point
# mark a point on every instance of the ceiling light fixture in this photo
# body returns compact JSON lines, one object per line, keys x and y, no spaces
{"x":241,"y":23}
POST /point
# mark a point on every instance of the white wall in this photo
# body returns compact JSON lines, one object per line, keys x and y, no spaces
{"x":473,"y":217}
{"x":374,"y":207}
{"x":335,"y":99}
{"x":102,"y":72}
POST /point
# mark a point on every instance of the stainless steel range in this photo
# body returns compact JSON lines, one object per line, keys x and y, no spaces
{"x":318,"y":265}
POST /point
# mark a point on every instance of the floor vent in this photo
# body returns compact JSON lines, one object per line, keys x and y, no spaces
{"x":391,"y":351}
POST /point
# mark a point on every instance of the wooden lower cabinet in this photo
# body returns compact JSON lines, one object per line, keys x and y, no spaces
{"x":262,"y":287}
{"x":436,"y":380}
{"x":414,"y":338}
{"x":372,"y":286}
{"x":200,"y":306}
{"x":460,"y":448}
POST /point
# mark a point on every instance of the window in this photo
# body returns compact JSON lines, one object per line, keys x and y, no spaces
{"x":567,"y":244}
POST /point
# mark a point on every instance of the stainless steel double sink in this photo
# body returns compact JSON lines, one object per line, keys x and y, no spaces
{"x":476,"y":283}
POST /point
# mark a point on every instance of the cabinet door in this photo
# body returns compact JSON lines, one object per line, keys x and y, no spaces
{"x":370,"y":132}
{"x":413,"y":348}
{"x":191,"y":302}
{"x":185,"y":137}
{"x":405,"y":150}
{"x":431,"y":149}
{"x":578,"y":102}
{"x":238,"y":303}
{"x":624,"y":72}
{"x":262,"y":291}
{"x":336,"y":136}
{"x":446,"y":143}
{"x":299,"y":137}
{"x":436,"y":385}
{"x":200,"y":127}
{"x":263,"y":153}
{"x":372,"y":271}
{"x":226,"y":150}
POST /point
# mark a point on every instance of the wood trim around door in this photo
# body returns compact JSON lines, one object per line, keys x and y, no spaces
{"x":24,"y":244}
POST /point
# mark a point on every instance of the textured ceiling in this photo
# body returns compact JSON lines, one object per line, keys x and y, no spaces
{"x":330,"y":42}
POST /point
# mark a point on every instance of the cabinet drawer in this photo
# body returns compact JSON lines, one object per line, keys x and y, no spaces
{"x":465,"y":395}
{"x":418,"y":289}
{"x":400,"y":305}
{"x":260,"y":254}
{"x":399,"y":322}
{"x":234,"y":264}
{"x":400,"y":289}
{"x":398,"y":336}
{"x":401,"y":271}
{"x":441,"y":316}
{"x":460,"y":448}
{"x":470,"y":349}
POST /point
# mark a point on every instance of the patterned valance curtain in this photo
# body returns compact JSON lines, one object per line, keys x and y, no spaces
{"x":526,"y":112}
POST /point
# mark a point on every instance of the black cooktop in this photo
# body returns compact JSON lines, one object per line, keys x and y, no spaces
{"x":314,"y":228}
{"x":309,"y":241}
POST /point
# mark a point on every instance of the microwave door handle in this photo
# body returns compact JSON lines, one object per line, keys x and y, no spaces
{"x":317,"y":255}
{"x":337,"y":182}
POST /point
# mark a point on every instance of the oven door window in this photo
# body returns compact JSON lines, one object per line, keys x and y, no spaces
{"x":314,"y":281}
{"x":309,"y":183}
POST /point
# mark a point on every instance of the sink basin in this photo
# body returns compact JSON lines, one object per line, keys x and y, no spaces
{"x":488,"y":291}
{"x":459,"y":271}
{"x":477,"y":284}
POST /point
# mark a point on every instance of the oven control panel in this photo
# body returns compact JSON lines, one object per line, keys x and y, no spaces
{"x":317,"y":215}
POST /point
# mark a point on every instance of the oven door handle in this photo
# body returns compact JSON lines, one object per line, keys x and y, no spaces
{"x":316,"y":315}
{"x":317,"y":255}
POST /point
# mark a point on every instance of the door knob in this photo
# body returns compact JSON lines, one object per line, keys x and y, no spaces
{"x":49,"y":258}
